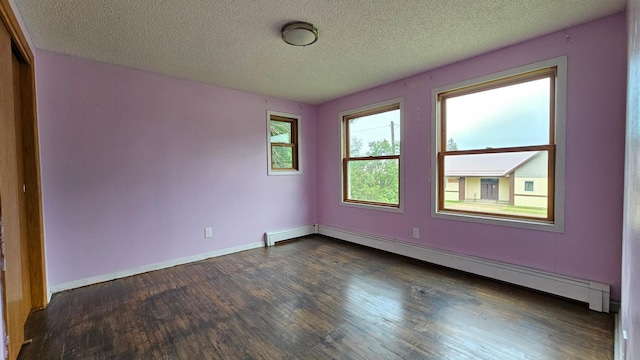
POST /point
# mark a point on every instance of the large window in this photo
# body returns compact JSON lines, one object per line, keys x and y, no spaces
{"x":497,"y":146}
{"x":371,"y":155}
{"x":282,"y":143}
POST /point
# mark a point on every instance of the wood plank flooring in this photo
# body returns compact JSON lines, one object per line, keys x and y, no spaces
{"x":314,"y":298}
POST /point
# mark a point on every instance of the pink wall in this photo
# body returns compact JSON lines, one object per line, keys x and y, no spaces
{"x":591,"y":244}
{"x":135,"y":165}
{"x":630,"y":304}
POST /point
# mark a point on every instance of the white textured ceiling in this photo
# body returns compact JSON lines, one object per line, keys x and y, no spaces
{"x":236,"y":43}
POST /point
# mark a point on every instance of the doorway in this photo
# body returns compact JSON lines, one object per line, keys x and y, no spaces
{"x":489,"y":189}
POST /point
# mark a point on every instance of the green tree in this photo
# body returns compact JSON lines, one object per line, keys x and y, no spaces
{"x":378,"y":148}
{"x":281,"y":156}
{"x":375,"y":180}
{"x":451,"y":145}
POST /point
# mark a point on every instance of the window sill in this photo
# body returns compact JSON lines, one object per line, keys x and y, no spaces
{"x":399,"y":209}
{"x":557,"y":226}
{"x":283,"y":172}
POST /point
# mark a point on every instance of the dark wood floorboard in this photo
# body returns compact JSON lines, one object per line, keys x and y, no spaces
{"x":314,"y":298}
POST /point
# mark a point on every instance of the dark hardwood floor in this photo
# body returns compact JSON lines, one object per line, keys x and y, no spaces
{"x":314,"y":298}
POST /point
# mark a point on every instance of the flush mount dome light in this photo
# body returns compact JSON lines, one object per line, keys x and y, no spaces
{"x":299,"y":33}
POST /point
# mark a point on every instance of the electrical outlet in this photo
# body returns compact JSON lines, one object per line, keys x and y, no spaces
{"x":416,"y":233}
{"x":208,"y":232}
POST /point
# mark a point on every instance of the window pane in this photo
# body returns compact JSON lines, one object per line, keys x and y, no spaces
{"x":373,"y":180}
{"x":375,"y":135}
{"x":497,"y":183}
{"x":280,"y":131}
{"x":281,"y":157}
{"x":515,"y":115}
{"x":528,"y":186}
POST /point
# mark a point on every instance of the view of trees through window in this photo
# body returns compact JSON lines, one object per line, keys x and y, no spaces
{"x":372,"y":159}
{"x":283,"y":144}
{"x":375,"y":180}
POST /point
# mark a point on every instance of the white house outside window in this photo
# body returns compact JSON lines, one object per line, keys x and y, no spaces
{"x":497,"y":145}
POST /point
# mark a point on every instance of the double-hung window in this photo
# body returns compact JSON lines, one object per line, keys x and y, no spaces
{"x":371,"y":155}
{"x":282,"y":141}
{"x":499,"y":151}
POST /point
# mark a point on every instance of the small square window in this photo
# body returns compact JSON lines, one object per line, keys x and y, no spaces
{"x":528,"y":186}
{"x":283,"y":144}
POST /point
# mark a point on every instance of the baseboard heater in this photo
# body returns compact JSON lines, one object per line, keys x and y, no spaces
{"x":272,"y":237}
{"x":597,"y":295}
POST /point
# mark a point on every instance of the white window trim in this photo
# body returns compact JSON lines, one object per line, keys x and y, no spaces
{"x":400,"y":208}
{"x":299,"y":140}
{"x":560,"y":137}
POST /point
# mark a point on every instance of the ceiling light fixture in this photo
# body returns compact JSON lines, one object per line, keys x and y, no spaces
{"x":299,"y":33}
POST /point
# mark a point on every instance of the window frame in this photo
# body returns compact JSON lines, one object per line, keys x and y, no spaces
{"x":344,"y":117}
{"x":294,"y":144}
{"x":555,"y":147}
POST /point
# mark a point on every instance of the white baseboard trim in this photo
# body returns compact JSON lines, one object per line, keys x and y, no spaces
{"x":272,"y":237}
{"x":143,"y":269}
{"x":597,"y":295}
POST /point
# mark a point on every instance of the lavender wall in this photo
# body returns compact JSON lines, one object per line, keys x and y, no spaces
{"x":630,"y":305}
{"x":591,"y":244}
{"x":135,"y":165}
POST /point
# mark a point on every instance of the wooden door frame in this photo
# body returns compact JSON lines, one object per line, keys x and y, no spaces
{"x":31,"y":150}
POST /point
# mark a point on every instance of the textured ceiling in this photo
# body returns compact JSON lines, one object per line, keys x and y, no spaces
{"x":236,"y":43}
